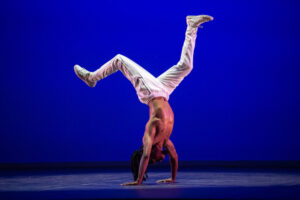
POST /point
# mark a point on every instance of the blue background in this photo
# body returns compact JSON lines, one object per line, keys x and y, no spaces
{"x":241,"y":101}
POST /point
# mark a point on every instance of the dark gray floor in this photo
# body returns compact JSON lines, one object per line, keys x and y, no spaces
{"x":203,"y":184}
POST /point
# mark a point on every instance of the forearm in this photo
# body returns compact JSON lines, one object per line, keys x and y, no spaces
{"x":174,"y":167}
{"x":142,"y":169}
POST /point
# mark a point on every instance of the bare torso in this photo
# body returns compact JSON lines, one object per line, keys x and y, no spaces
{"x":161,"y":111}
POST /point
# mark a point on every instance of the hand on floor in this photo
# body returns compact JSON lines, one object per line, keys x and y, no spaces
{"x":130,"y":183}
{"x":169,"y":180}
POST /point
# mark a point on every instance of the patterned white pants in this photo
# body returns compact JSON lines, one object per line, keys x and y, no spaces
{"x":146,"y":85}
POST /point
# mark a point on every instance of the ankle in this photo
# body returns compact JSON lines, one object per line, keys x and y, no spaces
{"x":191,"y":30}
{"x":89,"y":76}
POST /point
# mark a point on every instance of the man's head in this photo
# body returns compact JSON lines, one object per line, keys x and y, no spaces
{"x":157,"y":155}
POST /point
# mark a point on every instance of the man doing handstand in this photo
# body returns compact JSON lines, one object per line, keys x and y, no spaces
{"x":155,"y":93}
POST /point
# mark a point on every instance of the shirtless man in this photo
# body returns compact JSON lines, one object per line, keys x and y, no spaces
{"x":155,"y":93}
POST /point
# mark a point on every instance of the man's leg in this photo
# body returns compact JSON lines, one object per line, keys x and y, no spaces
{"x":173,"y":76}
{"x":129,"y":69}
{"x":143,"y":82}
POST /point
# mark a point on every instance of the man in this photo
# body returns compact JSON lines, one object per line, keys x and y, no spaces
{"x":155,"y":93}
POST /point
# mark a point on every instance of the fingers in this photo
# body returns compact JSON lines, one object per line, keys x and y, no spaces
{"x":164,"y":181}
{"x":125,"y":184}
{"x":130,"y":183}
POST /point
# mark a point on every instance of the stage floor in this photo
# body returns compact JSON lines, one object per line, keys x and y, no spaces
{"x":200,"y":184}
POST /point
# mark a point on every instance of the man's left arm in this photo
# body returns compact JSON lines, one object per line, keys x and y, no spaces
{"x":147,"y":142}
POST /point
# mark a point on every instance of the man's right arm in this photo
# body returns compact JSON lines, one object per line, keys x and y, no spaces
{"x":173,"y":162}
{"x":173,"y":158}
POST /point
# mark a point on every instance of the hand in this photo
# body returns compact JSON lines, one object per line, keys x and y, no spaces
{"x":169,"y":180}
{"x":131,"y":183}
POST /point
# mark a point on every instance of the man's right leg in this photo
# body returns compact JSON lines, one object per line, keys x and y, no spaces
{"x":173,"y":76}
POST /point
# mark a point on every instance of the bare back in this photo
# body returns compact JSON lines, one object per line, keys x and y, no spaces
{"x":161,"y":112}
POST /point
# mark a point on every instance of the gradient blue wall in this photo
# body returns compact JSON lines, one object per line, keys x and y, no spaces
{"x":241,"y":101}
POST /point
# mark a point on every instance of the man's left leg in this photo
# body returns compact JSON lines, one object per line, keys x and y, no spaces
{"x":145,"y":84}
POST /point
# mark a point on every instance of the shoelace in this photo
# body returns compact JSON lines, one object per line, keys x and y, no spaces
{"x":82,"y":72}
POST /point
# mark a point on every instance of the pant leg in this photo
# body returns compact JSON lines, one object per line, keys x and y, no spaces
{"x":173,"y":76}
{"x":145,"y":84}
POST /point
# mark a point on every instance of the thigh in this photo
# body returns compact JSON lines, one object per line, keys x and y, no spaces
{"x":135,"y":68}
{"x":173,"y":76}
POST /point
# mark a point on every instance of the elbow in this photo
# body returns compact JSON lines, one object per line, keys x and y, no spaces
{"x":146,"y":156}
{"x":174,"y":157}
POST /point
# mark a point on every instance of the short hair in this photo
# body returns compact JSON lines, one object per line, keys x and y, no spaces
{"x":135,"y":162}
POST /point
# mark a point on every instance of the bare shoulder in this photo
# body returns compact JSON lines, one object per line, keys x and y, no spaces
{"x":152,"y":127}
{"x":154,"y":121}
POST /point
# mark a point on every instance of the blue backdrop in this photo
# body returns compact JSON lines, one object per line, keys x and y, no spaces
{"x":241,"y":101}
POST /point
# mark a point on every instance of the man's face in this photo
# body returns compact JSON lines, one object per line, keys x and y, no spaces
{"x":156,"y":155}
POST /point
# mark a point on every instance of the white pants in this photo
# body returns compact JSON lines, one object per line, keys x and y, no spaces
{"x":146,"y":85}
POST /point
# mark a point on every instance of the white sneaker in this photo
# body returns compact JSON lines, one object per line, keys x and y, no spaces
{"x":83,"y":74}
{"x":197,"y":20}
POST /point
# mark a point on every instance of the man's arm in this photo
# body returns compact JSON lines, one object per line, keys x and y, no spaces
{"x":173,"y":162}
{"x":147,"y":143}
{"x":145,"y":158}
{"x":173,"y":158}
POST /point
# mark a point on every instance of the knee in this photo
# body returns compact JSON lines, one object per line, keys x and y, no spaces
{"x":119,"y":57}
{"x":185,"y":66}
{"x":189,"y":67}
